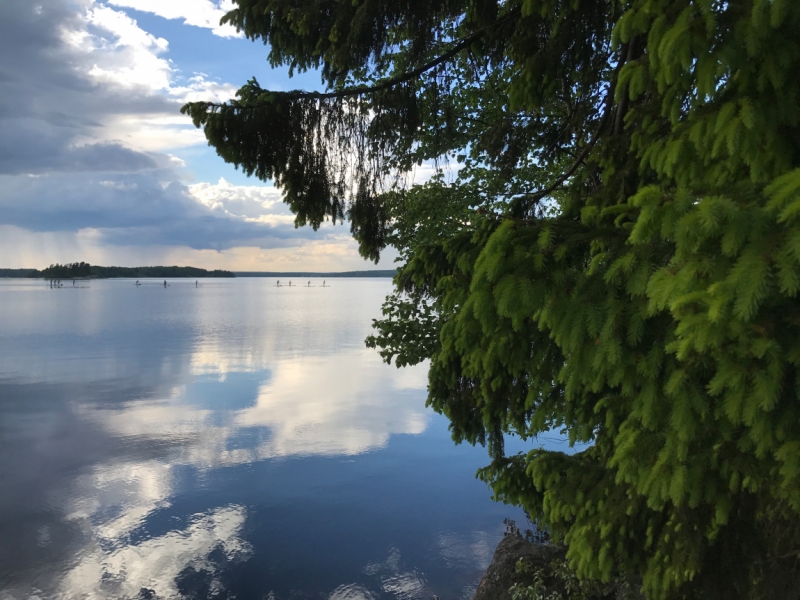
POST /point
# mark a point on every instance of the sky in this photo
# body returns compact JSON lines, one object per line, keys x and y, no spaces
{"x":97,"y":164}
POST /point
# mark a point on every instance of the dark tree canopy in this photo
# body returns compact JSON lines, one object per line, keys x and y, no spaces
{"x":616,"y":256}
{"x":83,"y":269}
{"x":65,"y":271}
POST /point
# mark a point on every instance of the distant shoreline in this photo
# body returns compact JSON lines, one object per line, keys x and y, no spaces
{"x":375,"y":273}
{"x":96,"y":272}
{"x":87,"y":271}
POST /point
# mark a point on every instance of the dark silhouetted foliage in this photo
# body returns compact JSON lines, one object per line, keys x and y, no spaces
{"x":617,"y":256}
{"x":86,"y":270}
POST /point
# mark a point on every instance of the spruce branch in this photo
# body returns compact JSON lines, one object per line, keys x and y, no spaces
{"x":608,"y":104}
{"x":362,"y":89}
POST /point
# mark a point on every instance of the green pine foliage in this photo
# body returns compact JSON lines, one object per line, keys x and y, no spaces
{"x":557,"y":581}
{"x":618,"y":256}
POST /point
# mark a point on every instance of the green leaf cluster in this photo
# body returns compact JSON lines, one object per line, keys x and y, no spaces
{"x":559,"y":582}
{"x":617,"y":256}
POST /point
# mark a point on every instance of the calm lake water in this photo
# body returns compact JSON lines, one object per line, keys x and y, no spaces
{"x":234,"y":439}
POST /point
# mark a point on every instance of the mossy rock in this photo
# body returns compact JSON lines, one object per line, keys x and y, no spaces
{"x":502,"y":572}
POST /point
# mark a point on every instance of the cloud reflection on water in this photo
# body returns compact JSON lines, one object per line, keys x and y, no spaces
{"x":156,"y":564}
{"x":352,"y":591}
{"x":333,"y":405}
{"x":159,"y":392}
{"x":319,"y":405}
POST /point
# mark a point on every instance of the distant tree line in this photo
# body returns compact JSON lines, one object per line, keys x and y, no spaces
{"x":372,"y":273}
{"x":83,"y":269}
{"x":20,"y":273}
{"x":67,"y":270}
{"x":158,"y":272}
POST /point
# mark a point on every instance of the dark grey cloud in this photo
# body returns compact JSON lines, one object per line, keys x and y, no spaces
{"x":134,"y":209}
{"x":55,"y":176}
{"x":18,"y":156}
{"x":66,"y":202}
{"x":208,"y":233}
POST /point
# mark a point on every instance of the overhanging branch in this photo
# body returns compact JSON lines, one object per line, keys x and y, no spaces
{"x":364,"y":89}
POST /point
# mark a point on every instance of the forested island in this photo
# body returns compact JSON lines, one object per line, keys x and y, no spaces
{"x":82,"y":269}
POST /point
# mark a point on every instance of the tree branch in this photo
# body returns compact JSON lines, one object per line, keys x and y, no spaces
{"x":384,"y":85}
{"x":608,"y":109}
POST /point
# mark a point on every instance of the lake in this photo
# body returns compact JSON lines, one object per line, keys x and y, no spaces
{"x":234,"y":439}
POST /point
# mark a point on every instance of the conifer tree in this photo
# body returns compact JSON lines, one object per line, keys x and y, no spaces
{"x":617,"y":257}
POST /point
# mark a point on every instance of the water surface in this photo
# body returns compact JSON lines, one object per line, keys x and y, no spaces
{"x":234,"y":439}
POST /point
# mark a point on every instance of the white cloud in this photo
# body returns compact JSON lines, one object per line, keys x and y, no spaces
{"x":199,"y":13}
{"x":81,"y":73}
{"x":113,"y":51}
{"x":130,"y":57}
{"x":90,"y":119}
{"x":145,"y":133}
{"x":258,"y":203}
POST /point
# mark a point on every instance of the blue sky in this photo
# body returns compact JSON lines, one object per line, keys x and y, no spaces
{"x":96,"y":162}
{"x":224,"y":59}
